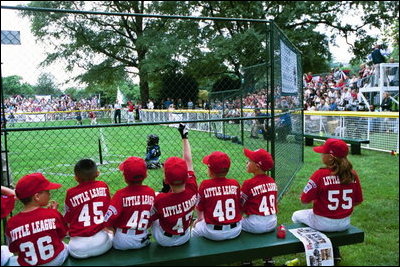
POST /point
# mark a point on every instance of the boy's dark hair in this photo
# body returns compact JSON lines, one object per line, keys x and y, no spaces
{"x":223,"y":173}
{"x":85,"y":169}
{"x":152,"y":140}
{"x":26,"y":200}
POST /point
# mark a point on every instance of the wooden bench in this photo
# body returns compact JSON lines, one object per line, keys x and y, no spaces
{"x":355,"y":143}
{"x":200,"y":251}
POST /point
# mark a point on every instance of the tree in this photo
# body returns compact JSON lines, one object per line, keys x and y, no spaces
{"x":46,"y":85}
{"x":177,"y":85}
{"x":106,"y":47}
{"x":392,"y":37}
{"x":13,"y":85}
{"x":299,"y":19}
{"x":226,"y":83}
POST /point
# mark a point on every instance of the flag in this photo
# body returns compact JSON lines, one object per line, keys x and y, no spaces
{"x":120,"y":97}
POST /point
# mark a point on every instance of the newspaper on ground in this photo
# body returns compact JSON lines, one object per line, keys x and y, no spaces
{"x":318,"y":247}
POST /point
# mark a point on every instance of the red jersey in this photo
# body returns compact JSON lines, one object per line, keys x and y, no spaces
{"x":92,"y":115}
{"x":130,"y":208}
{"x":7,"y":205}
{"x":308,"y":78}
{"x":259,"y":196}
{"x":85,"y":207}
{"x":175,"y":210}
{"x":36,"y":236}
{"x":332,"y":199}
{"x":220,"y":201}
{"x":131,"y":107}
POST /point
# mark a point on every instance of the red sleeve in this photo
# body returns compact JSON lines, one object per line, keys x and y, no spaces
{"x":154,"y":210}
{"x":7,"y":205}
{"x":114,"y":210}
{"x":245,"y":192}
{"x":67,"y":208}
{"x":310,"y":191}
{"x":62,"y":227}
{"x":201,"y":196}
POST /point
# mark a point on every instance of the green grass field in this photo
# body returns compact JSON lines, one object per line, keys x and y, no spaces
{"x":55,"y":152}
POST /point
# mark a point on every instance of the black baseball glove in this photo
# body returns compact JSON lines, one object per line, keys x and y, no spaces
{"x":183,"y":130}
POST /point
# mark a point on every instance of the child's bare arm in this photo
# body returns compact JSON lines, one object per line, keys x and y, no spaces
{"x":187,"y":151}
{"x":7,"y":191}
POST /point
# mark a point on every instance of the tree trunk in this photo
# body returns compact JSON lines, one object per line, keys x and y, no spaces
{"x":144,"y":87}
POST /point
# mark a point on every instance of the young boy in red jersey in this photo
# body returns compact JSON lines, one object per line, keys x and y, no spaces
{"x":219,"y":212}
{"x":85,"y":207}
{"x":36,"y":233}
{"x":172,"y":211}
{"x":259,"y":196}
{"x":93,"y":119}
{"x":129,"y":211}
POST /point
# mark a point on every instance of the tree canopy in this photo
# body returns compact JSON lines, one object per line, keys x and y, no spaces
{"x":13,"y":85}
{"x":46,"y":85}
{"x":111,"y":48}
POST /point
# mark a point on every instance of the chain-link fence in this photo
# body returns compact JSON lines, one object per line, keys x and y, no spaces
{"x":380,"y":128}
{"x":143,"y":75}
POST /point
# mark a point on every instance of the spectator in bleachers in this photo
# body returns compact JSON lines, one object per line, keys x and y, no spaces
{"x":322,"y":106}
{"x":386,"y":104}
{"x":190,"y":104}
{"x":332,"y":104}
{"x":377,"y":58}
{"x":308,"y":77}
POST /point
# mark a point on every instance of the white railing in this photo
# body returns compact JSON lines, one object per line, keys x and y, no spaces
{"x":157,"y":115}
{"x":381,"y":128}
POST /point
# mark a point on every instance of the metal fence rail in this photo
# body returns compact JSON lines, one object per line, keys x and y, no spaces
{"x":381,"y":128}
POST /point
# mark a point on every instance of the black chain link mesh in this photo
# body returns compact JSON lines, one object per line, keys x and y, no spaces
{"x":212,"y":91}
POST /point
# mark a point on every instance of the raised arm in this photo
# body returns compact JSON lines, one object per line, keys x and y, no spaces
{"x":7,"y":191}
{"x":187,"y":151}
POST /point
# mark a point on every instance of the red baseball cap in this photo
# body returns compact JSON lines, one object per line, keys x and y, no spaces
{"x":7,"y":205}
{"x":134,"y":169}
{"x":175,"y":171}
{"x":260,"y":156}
{"x":33,"y":183}
{"x":335,"y":147}
{"x":218,"y":162}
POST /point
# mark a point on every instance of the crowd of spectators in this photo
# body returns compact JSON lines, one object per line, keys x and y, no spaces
{"x":21,"y":104}
{"x":339,"y":90}
{"x":333,"y":91}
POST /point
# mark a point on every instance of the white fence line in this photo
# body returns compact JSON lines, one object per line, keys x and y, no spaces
{"x":382,"y":129}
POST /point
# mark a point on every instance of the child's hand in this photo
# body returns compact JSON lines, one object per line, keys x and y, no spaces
{"x":52,"y":205}
{"x":7,"y":191}
{"x":183,"y":130}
